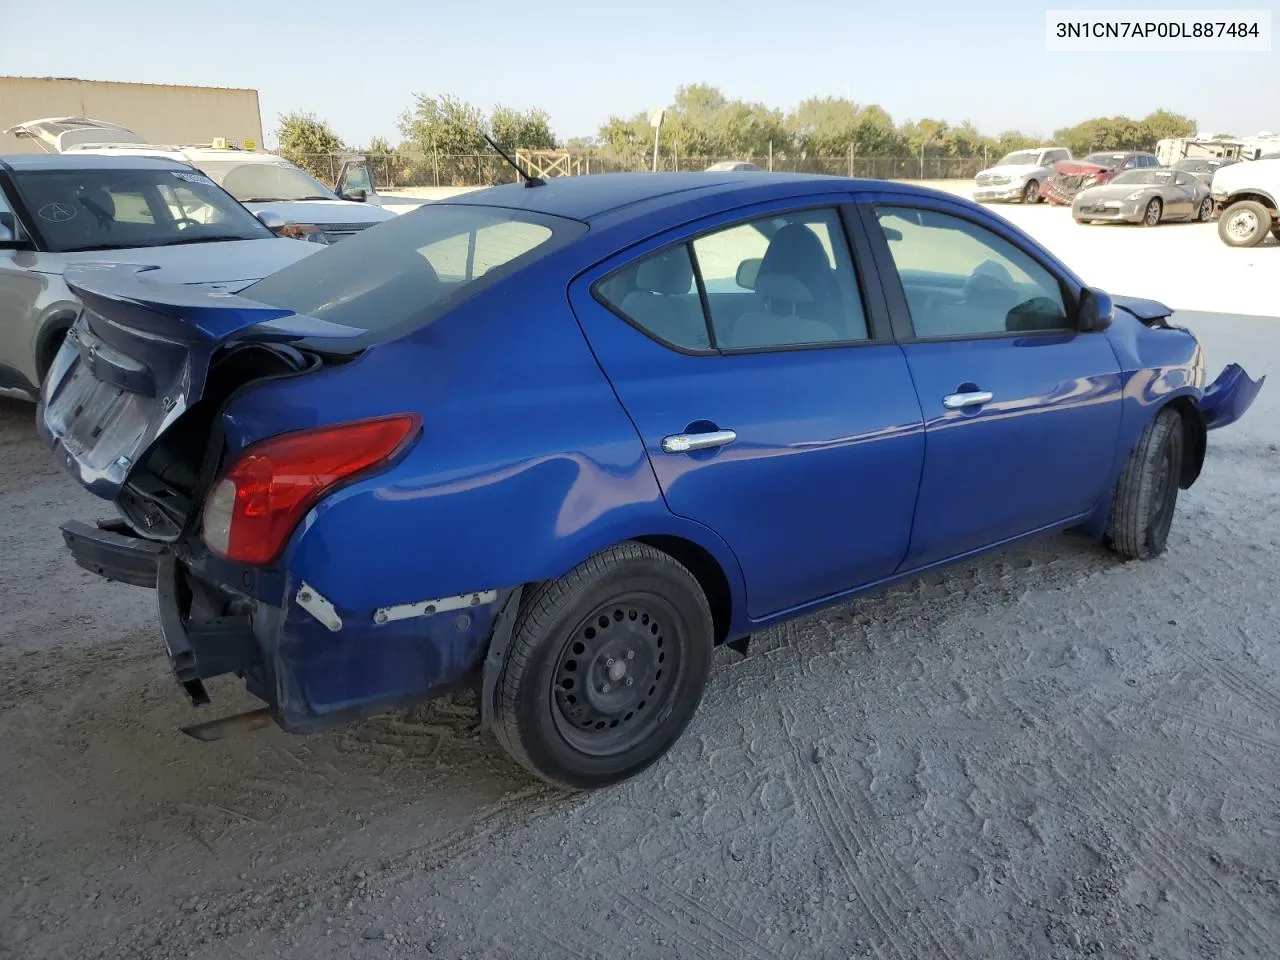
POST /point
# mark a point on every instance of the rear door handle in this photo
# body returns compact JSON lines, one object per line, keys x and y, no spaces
{"x":685,"y":442}
{"x":971,"y":398}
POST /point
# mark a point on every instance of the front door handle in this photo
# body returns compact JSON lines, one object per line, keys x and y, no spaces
{"x":685,"y":442}
{"x":970,"y":398}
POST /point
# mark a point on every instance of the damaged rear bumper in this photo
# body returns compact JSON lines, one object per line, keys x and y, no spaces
{"x":1226,"y":399}
{"x":315,"y":665}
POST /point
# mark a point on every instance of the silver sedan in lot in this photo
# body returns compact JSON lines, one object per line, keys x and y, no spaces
{"x":64,"y":213}
{"x":1148,"y":197}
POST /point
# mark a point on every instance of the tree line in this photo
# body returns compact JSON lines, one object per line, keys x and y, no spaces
{"x":442,"y":137}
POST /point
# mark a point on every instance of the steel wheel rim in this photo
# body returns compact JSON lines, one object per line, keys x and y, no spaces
{"x":1153,"y":213}
{"x":1165,"y":495}
{"x":1030,"y":192}
{"x":1206,"y":209}
{"x":616,"y":675}
{"x":1242,"y":225}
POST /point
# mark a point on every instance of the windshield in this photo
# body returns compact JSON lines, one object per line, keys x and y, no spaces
{"x":1105,"y":159}
{"x":276,"y":180}
{"x":1145,"y":177}
{"x":410,"y":269}
{"x":1020,"y":158}
{"x":120,"y":209}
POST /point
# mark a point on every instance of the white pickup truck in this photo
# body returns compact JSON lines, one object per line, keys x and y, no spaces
{"x":285,"y":197}
{"x":1018,"y":175}
{"x":1247,"y":198}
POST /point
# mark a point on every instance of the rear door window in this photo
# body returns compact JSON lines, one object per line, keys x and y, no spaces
{"x":773,"y":282}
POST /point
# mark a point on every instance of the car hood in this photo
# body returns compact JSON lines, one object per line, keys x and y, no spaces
{"x":1112,"y":191}
{"x":224,"y":262}
{"x":1009,"y":169}
{"x":323,"y":211}
{"x":1236,"y":176}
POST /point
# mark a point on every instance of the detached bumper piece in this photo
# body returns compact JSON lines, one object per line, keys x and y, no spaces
{"x":202,"y":638}
{"x":111,"y":550}
{"x":1228,"y":397}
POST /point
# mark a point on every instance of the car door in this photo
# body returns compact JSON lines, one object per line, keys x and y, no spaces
{"x":1186,"y":195}
{"x":1022,"y":410}
{"x":759,"y":370}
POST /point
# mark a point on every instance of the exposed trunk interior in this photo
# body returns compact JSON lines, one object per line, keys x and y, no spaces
{"x":167,"y":485}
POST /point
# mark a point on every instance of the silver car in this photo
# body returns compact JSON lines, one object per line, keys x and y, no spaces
{"x":62,"y":214}
{"x":1148,"y":197}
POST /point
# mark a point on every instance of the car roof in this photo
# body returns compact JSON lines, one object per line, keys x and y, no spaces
{"x":593,"y":197}
{"x":85,"y":161}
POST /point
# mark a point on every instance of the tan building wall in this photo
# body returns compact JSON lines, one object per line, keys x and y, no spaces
{"x":162,"y":113}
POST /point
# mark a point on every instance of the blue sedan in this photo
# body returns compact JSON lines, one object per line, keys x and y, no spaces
{"x":557,"y":441}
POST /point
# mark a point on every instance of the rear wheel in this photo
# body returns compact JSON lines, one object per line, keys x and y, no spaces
{"x":1244,"y":224}
{"x":1151,"y":217}
{"x":1031,"y":192}
{"x":1145,"y":497}
{"x":606,"y":667}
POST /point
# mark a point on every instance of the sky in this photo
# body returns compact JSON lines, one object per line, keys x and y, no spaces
{"x":358,"y":65}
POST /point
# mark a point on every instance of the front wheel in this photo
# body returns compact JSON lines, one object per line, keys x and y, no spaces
{"x":1244,"y":224}
{"x":1154,"y":211}
{"x":1205,"y":213}
{"x":1145,"y":497}
{"x":1031,"y":192}
{"x":606,"y":667}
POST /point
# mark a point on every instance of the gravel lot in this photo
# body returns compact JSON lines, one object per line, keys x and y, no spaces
{"x":1043,"y":753}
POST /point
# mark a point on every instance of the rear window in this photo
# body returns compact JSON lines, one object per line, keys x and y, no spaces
{"x":410,"y":269}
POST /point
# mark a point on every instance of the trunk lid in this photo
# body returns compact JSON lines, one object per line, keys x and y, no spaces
{"x":137,"y":358}
{"x":58,"y":134}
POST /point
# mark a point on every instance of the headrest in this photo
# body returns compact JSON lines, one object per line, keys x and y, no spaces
{"x":98,"y":200}
{"x":669,"y":272}
{"x":796,"y":252}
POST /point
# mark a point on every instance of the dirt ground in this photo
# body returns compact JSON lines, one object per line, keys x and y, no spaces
{"x":1042,"y":753}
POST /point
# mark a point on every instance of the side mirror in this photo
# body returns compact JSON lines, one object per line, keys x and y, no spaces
{"x":747,"y":272}
{"x":355,"y":194}
{"x":271,"y":220}
{"x":892,"y":234}
{"x":6,"y":233}
{"x":1096,"y":310}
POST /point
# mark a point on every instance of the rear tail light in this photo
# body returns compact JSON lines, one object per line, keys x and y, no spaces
{"x":253,"y":508}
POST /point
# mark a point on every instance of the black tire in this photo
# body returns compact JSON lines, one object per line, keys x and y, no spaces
{"x":582,"y":725}
{"x":1244,"y":224}
{"x":1147,"y":492}
{"x":1083,"y":222}
{"x":1031,"y":192}
{"x":1204,"y":213}
{"x":1151,"y":216}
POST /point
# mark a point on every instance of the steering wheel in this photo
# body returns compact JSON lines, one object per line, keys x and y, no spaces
{"x":186,"y":220}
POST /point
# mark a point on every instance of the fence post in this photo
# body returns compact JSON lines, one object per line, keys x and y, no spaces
{"x":771,"y":156}
{"x":850,"y":158}
{"x":435,"y":160}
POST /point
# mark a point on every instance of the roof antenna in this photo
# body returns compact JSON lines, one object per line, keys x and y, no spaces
{"x":529,"y":179}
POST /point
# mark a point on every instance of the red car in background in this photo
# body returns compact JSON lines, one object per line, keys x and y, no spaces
{"x":1071,"y":176}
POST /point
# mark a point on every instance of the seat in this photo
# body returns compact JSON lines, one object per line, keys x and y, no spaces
{"x":664,"y":302}
{"x":798,"y":289}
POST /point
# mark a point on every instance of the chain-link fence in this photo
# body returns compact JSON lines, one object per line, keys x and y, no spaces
{"x":409,"y":169}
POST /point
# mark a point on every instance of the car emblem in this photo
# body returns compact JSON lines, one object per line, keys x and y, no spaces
{"x":56,"y":212}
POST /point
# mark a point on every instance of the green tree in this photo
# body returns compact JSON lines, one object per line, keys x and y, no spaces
{"x":823,"y":126}
{"x":529,"y":130}
{"x":447,"y":133}
{"x":309,"y":143}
